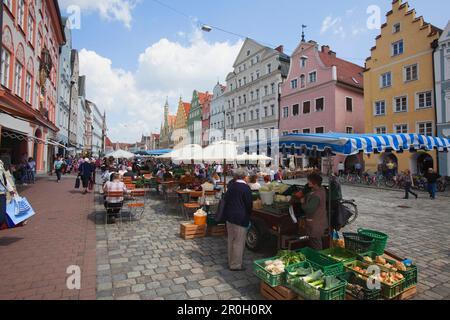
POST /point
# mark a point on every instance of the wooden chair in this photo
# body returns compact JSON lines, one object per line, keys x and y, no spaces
{"x":115,"y":207}
{"x":190,"y":208}
{"x":137,"y":204}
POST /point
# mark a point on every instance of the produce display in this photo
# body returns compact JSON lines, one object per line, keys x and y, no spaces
{"x":276,"y":187}
{"x":282,"y":199}
{"x":290,"y":257}
{"x":275,"y":267}
{"x":388,"y":278}
{"x":396,"y":266}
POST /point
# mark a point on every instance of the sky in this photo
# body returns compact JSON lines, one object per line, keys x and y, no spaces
{"x":137,"y":53}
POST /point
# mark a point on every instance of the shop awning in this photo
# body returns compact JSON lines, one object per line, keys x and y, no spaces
{"x":21,"y":136}
{"x":351,"y":144}
{"x":16,"y":108}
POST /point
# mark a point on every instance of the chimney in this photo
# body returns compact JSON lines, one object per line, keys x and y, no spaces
{"x":325,"y":49}
{"x":280,"y":49}
{"x":332,"y":53}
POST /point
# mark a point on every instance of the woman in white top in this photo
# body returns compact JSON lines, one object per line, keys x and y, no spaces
{"x":254,"y":184}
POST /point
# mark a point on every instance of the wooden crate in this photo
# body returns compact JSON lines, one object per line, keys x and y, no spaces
{"x":277,"y":293}
{"x":190,"y":231}
{"x":408,"y":294}
{"x":216,"y":231}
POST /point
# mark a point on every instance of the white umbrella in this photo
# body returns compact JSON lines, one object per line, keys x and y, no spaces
{"x":221,"y":151}
{"x":192,"y":152}
{"x":121,"y":154}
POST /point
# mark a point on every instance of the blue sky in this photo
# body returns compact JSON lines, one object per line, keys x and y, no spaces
{"x":127,"y":46}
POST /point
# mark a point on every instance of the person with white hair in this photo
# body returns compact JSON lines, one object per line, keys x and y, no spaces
{"x":237,"y":211}
{"x":85,"y":173}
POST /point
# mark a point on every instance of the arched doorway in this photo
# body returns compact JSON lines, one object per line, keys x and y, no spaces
{"x":351,"y":161}
{"x":421,"y":162}
{"x":386,"y":159}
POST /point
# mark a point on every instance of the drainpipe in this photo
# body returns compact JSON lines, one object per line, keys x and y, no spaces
{"x":435,"y":46}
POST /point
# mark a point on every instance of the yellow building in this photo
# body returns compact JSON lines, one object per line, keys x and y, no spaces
{"x":181,"y":133}
{"x":398,"y":83}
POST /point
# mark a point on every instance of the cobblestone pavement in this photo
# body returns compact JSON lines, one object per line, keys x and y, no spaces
{"x":149,"y":260}
{"x":34,"y":259}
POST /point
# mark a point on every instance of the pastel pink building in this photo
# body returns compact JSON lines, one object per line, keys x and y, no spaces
{"x":322,"y":94}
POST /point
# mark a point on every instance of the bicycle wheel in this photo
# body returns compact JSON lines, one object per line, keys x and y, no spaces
{"x":390,"y":183}
{"x":353,"y":208}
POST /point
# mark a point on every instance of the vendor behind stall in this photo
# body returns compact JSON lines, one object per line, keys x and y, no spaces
{"x":314,"y":204}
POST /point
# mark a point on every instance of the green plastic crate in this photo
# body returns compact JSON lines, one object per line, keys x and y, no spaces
{"x":387,"y":291}
{"x":340,"y":255}
{"x":307,"y":292}
{"x":329,"y":266}
{"x":304,"y":264}
{"x":411,"y":273}
{"x":380,"y":240}
{"x":366,"y":294}
{"x":259,"y":269}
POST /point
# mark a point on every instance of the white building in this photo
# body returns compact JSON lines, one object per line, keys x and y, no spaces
{"x":442,"y":80}
{"x":252,"y":96}
{"x":81,"y":115}
{"x":64,"y":81}
{"x":97,"y":130}
{"x":217,"y":119}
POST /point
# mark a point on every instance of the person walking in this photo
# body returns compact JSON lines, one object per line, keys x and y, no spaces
{"x":409,"y":183}
{"x":432,"y":179}
{"x":341,"y":169}
{"x":32,"y":170}
{"x":315,"y":207}
{"x":58,"y":165}
{"x":85,"y":174}
{"x":237,"y":210}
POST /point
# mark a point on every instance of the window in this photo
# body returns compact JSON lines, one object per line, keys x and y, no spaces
{"x":380,"y":108}
{"x":307,"y":107}
{"x":269,"y":68}
{"x":244,"y":117}
{"x":396,"y":28}
{"x":257,"y":74}
{"x":306,"y":131}
{"x":266,"y":112}
{"x":245,"y":81}
{"x":295,"y":110}
{"x":295,"y":131}
{"x":401,"y":104}
{"x":21,"y":13}
{"x":240,"y":100}
{"x":272,"y":109}
{"x":424,"y":100}
{"x":380,"y":130}
{"x":313,"y":77}
{"x":252,"y":95}
{"x":425,"y":128}
{"x":5,"y":67}
{"x":285,"y":133}
{"x":386,"y":80}
{"x":245,"y":98}
{"x":349,"y":130}
{"x":231,"y":87}
{"x":257,"y":59}
{"x":273,"y":88}
{"x":29,"y":81}
{"x":240,"y":83}
{"x":18,"y":79}
{"x":302,"y":81}
{"x":239,"y":116}
{"x":349,"y":104}
{"x":401,"y":128}
{"x":285,"y":112}
{"x":30,"y":35}
{"x":257,"y":93}
{"x":248,"y":53}
{"x":320,"y":130}
{"x":303,"y":62}
{"x":320,"y":104}
{"x":294,"y":84}
{"x":257,"y":114}
{"x":397,"y":48}
{"x":252,"y":76}
{"x":251,"y":115}
{"x":266,"y":90}
{"x":411,"y":73}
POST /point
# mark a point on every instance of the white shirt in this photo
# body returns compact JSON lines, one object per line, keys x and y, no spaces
{"x":219,"y":169}
{"x":254,"y":186}
{"x":341,"y":166}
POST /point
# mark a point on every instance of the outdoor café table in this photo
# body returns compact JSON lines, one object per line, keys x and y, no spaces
{"x":184,"y":195}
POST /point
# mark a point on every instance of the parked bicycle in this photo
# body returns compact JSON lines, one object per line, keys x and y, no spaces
{"x":443,"y":183}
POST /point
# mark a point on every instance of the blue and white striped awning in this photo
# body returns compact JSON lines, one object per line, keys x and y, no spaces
{"x":350,"y":144}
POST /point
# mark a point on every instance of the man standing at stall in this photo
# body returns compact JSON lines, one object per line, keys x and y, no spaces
{"x":237,"y":210}
{"x":315,"y":207}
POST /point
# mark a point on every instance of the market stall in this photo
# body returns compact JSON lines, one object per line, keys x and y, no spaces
{"x":360,"y":268}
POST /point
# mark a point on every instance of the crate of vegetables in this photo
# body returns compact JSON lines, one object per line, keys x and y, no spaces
{"x":313,"y":284}
{"x":272,"y":270}
{"x":340,"y":255}
{"x":328,"y":265}
{"x":404,"y":267}
{"x":392,"y":283}
{"x":357,"y":287}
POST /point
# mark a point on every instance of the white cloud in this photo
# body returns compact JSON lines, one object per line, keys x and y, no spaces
{"x":134,"y":100}
{"x":330,"y":23}
{"x":111,"y":10}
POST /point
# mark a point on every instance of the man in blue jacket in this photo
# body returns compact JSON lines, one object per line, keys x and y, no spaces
{"x":238,"y":207}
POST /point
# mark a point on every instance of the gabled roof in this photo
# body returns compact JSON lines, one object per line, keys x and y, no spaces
{"x":446,"y":33}
{"x":172,"y":120}
{"x":203,"y":97}
{"x":187,"y":108}
{"x":108,"y":142}
{"x":347,"y":72}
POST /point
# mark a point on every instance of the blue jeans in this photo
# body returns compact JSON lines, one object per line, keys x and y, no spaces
{"x":432,"y":189}
{"x":2,"y":209}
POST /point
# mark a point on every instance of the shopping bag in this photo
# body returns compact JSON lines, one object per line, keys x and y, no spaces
{"x":77,"y":183}
{"x":14,"y":215}
{"x":23,"y":206}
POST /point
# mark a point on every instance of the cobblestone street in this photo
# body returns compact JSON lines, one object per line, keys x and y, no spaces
{"x":149,"y":260}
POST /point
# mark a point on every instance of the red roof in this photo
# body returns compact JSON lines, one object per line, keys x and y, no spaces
{"x":203,"y":97}
{"x":156,"y":135}
{"x":108,"y":142}
{"x":187,"y":107}
{"x":347,"y":72}
{"x":172,"y":120}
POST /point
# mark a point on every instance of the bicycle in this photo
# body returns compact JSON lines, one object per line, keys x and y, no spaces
{"x":351,"y":206}
{"x":442,"y":184}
